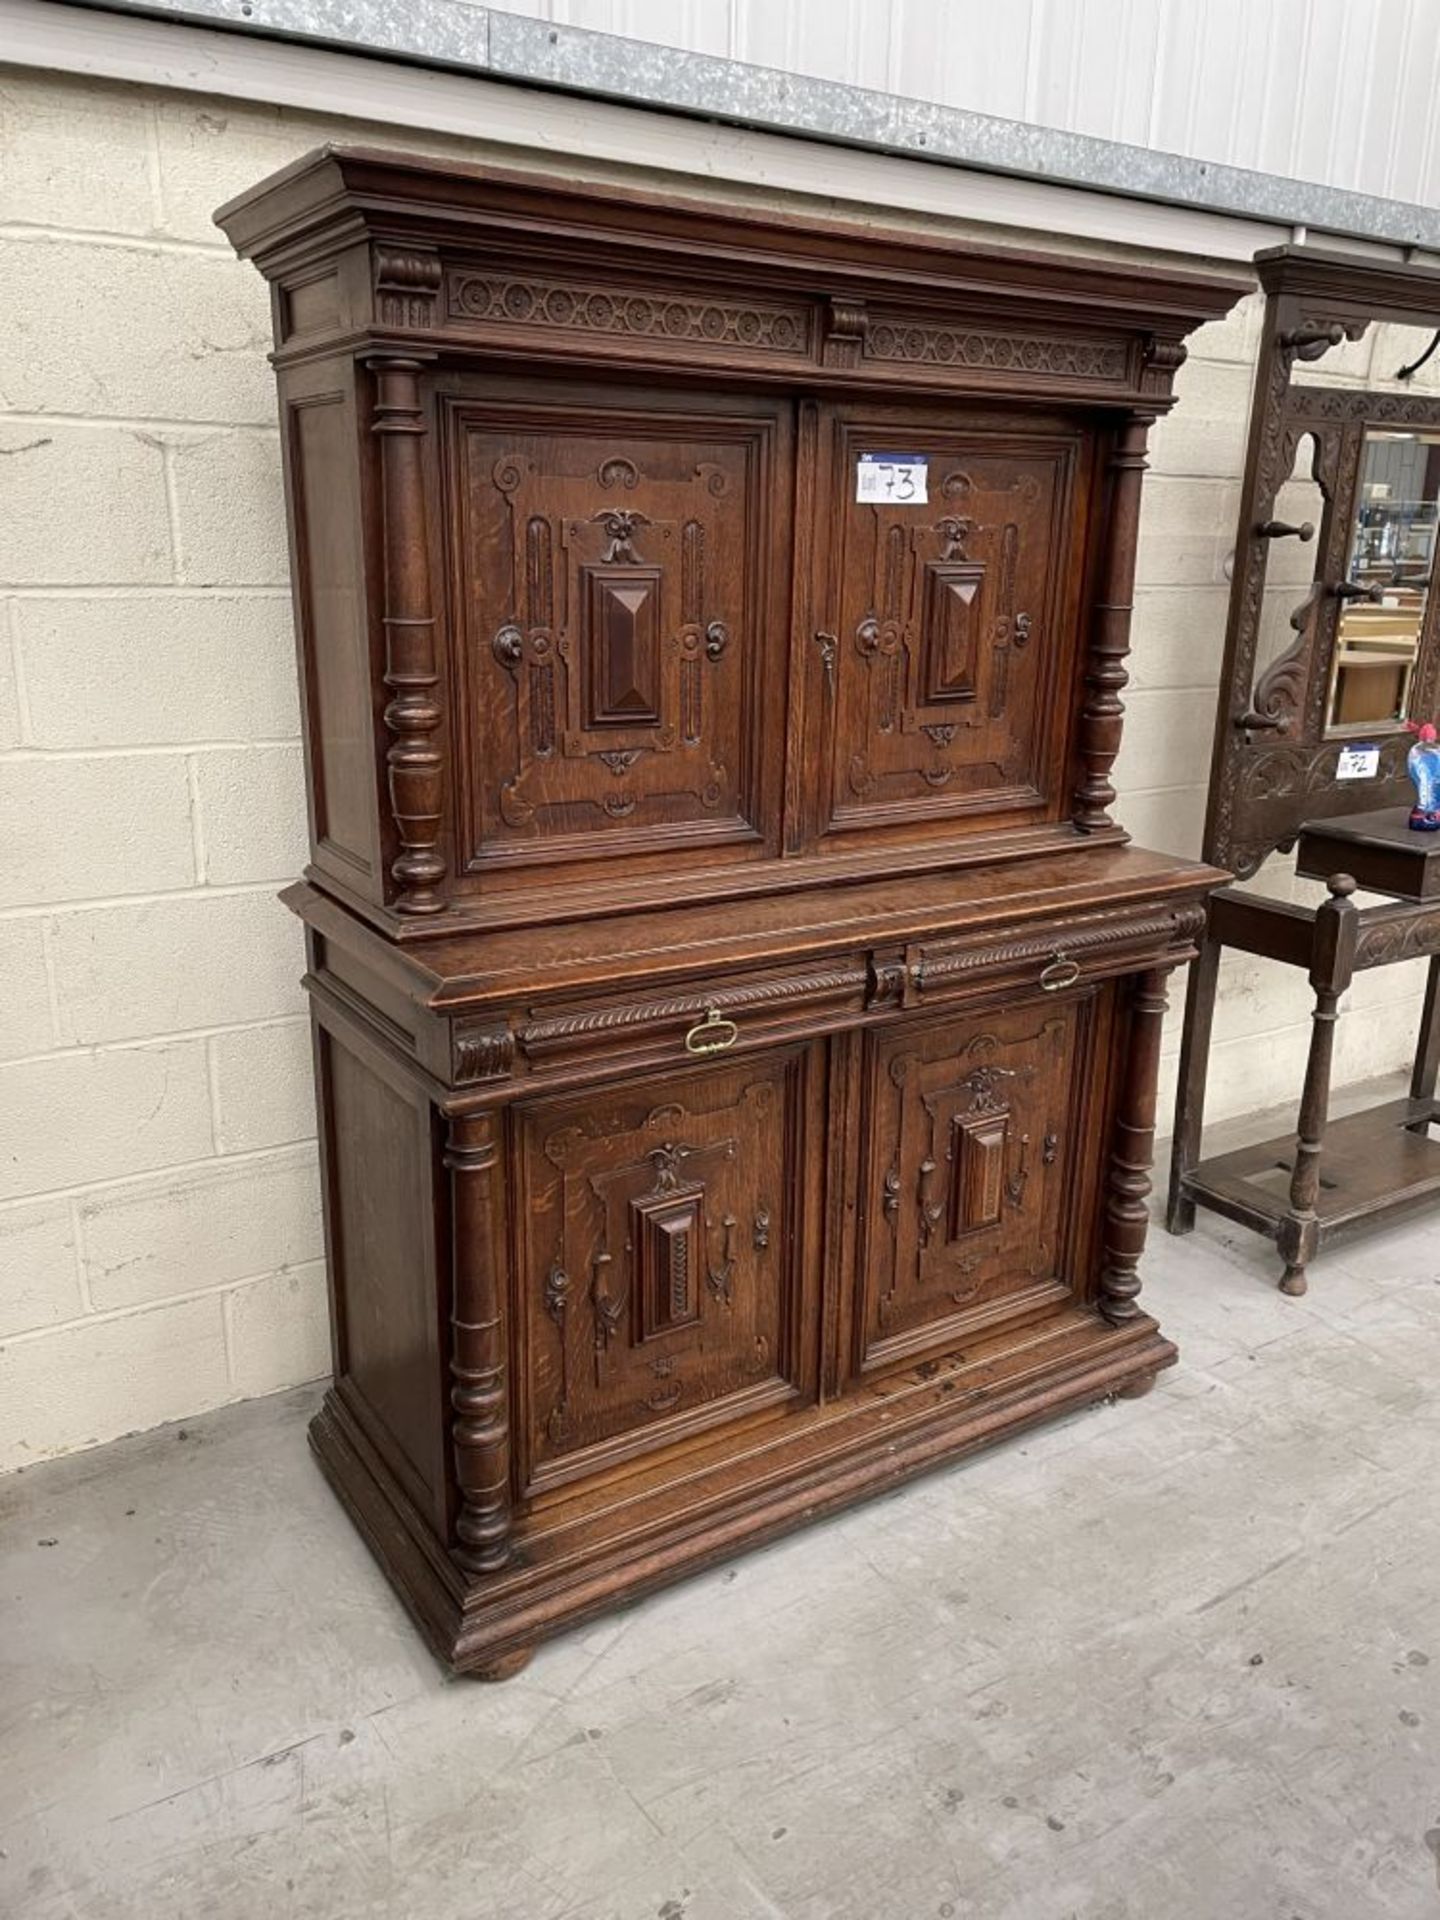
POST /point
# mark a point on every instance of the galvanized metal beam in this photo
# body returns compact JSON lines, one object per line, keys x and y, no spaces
{"x":513,"y":47}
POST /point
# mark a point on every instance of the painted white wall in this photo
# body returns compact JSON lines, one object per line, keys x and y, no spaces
{"x":159,"y":1236}
{"x":1339,"y":91}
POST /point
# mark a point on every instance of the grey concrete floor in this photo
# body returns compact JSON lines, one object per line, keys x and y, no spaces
{"x":1174,"y":1659}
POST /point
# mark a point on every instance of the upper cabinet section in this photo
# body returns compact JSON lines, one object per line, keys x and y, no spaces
{"x":649,"y":552}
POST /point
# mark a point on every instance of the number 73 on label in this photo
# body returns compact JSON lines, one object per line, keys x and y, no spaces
{"x":892,"y":479}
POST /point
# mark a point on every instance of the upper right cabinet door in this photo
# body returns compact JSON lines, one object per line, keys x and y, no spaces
{"x":949,"y":554}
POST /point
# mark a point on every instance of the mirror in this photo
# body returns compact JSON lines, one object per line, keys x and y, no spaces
{"x":1387,"y":582}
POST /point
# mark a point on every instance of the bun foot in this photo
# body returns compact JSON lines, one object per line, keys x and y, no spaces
{"x":1136,"y":1389}
{"x":505,"y":1668}
{"x":1293,"y":1282}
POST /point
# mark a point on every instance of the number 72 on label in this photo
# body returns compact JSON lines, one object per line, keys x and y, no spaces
{"x":892,"y":479}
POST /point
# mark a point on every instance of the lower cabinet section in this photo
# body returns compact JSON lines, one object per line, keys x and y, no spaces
{"x":591,"y":1337}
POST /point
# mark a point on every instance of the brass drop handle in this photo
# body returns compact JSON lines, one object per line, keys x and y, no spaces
{"x":713,"y":1034}
{"x":1061,"y":972}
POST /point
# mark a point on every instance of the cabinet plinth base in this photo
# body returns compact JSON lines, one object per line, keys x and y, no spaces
{"x":571,"y":1567}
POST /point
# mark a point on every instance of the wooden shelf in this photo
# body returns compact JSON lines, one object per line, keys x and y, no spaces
{"x":1377,"y":1165}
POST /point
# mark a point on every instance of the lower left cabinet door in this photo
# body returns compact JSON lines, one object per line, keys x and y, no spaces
{"x":667,"y":1259}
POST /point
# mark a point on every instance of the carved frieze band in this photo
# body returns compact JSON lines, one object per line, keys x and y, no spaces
{"x":529,"y":301}
{"x":921,"y":343}
{"x":1410,"y":937}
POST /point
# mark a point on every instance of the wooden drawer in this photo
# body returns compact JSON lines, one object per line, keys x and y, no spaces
{"x":1061,"y":954}
{"x":640,"y":1027}
{"x":676,"y":1027}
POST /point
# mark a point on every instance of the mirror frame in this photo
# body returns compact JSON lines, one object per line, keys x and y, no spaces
{"x":1275,"y":765}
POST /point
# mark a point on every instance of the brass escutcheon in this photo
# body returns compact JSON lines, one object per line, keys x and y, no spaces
{"x":713,"y":1034}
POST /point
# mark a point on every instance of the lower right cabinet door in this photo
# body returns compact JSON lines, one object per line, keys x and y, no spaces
{"x":982,"y":1167}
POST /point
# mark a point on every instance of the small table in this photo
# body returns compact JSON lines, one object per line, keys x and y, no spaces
{"x":1377,"y":1164}
{"x":1380,"y":851}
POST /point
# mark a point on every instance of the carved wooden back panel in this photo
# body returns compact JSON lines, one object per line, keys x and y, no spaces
{"x":1277,"y":761}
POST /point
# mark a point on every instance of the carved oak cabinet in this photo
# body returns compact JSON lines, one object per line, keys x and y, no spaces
{"x":736,"y":1010}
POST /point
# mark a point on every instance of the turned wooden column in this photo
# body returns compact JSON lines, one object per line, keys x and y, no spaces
{"x":1332,"y":967}
{"x":1103,"y":711}
{"x":1127,"y":1185}
{"x":479,"y":1396}
{"x":414,"y":762}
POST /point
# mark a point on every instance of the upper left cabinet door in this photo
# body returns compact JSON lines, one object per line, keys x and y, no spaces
{"x":621,"y":576}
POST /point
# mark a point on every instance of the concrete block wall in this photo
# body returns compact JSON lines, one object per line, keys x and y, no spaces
{"x":160,"y":1246}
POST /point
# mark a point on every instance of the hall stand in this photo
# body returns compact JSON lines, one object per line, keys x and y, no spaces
{"x":1288,"y":771}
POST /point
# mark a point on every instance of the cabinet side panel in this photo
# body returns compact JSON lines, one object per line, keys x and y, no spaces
{"x":334,"y":646}
{"x":384,"y":1208}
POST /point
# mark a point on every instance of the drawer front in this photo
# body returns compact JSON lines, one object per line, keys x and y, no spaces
{"x":662,"y":1269}
{"x":646,"y":1027}
{"x":1083,"y":948}
{"x":975,"y":1170}
{"x":650,"y":1026}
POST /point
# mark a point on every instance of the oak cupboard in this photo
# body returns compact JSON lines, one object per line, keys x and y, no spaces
{"x":736,"y":1008}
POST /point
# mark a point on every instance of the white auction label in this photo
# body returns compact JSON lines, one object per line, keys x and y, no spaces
{"x":1358,"y":763}
{"x":892,"y":479}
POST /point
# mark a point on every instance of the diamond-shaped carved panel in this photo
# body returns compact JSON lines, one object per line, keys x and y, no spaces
{"x":621,"y":643}
{"x":950,"y":633}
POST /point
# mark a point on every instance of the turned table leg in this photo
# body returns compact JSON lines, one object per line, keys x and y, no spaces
{"x":1331,"y":970}
{"x":1194,"y":1069}
{"x":1427,"y":1050}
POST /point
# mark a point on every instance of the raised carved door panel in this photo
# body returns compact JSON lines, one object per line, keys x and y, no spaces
{"x":663,"y":1267}
{"x":622,"y":572}
{"x":972,"y":1169}
{"x":946,"y":614}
